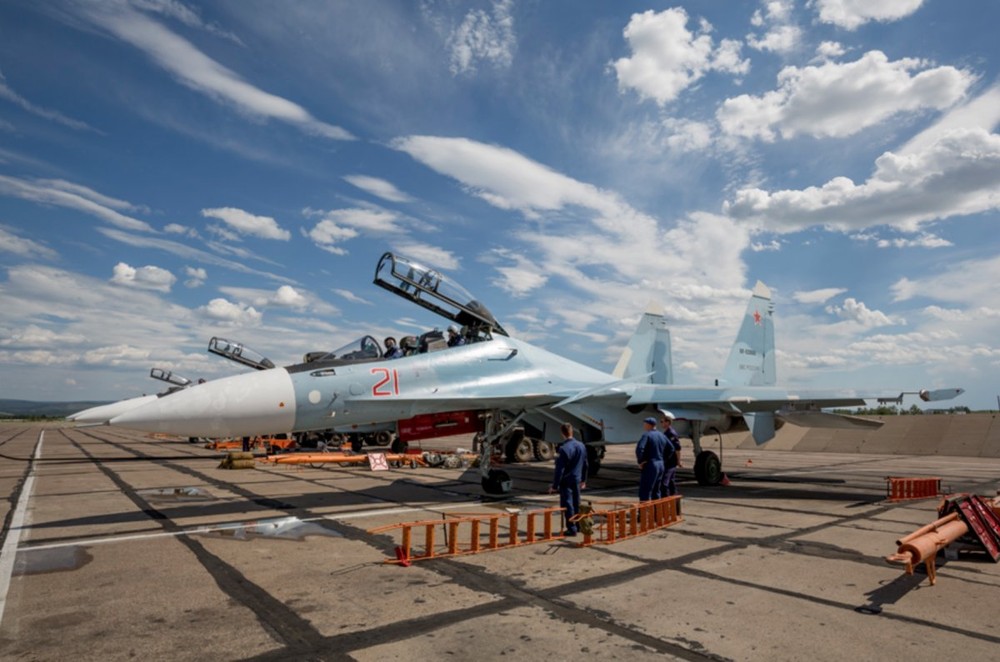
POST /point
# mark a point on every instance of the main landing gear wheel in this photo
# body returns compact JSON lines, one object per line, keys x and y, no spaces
{"x":544,"y":450}
{"x":497,"y":482}
{"x":708,"y":468}
{"x":519,"y":447}
{"x":399,"y":446}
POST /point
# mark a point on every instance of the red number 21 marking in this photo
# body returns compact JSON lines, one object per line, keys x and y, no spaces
{"x":388,"y":385}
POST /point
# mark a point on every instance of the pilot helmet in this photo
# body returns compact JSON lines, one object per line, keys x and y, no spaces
{"x":453,"y":329}
{"x":408,"y":342}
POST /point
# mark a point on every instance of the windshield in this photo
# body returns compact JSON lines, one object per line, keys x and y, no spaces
{"x":365,"y":347}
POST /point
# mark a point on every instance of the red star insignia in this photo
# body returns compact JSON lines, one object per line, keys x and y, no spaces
{"x":756,"y":317}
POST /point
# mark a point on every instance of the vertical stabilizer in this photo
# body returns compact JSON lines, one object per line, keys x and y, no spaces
{"x":751,"y":360}
{"x":648,"y":351}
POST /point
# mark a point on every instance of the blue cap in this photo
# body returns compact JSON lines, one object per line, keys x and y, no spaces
{"x":650,"y":420}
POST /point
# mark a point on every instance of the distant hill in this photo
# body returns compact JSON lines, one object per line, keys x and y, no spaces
{"x":10,"y":408}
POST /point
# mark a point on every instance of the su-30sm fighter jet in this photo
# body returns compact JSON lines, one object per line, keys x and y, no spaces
{"x":511,"y":382}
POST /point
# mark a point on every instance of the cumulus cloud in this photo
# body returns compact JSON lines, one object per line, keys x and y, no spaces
{"x":817,"y":296}
{"x":856,"y":311}
{"x":778,"y":33}
{"x":829,"y":50}
{"x":834,"y":100}
{"x":667,"y":58}
{"x":231,"y":314}
{"x":852,"y":14}
{"x":957,"y":175}
{"x":196,"y":276}
{"x":286,"y":295}
{"x":483,"y":37}
{"x":146,"y":278}
{"x":378,"y":187}
{"x":195,"y":70}
{"x":12,"y":242}
{"x":264,"y":227}
{"x":327,"y":234}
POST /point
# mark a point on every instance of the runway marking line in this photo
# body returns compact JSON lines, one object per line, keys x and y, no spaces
{"x":9,"y":551}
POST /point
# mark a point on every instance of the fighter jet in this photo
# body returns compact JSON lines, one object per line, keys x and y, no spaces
{"x":101,"y":414}
{"x":510,"y":381}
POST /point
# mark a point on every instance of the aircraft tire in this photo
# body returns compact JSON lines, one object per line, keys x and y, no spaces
{"x":518,"y":447}
{"x":399,"y":446}
{"x":544,"y":450}
{"x":708,"y":468}
{"x":498,"y":482}
{"x":357,"y":443}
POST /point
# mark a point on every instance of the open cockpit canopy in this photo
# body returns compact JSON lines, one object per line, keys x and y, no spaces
{"x":431,"y":290}
{"x":235,"y":351}
{"x":169,"y":377}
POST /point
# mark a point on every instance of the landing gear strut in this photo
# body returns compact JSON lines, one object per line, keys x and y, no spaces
{"x":500,"y":431}
{"x":594,"y":456}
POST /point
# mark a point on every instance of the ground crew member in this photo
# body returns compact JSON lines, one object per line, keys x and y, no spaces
{"x":570,"y":475}
{"x":671,"y":457}
{"x":649,"y":454}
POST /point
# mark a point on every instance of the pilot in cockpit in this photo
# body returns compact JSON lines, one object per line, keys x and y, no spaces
{"x":454,"y":337}
{"x":392,"y":351}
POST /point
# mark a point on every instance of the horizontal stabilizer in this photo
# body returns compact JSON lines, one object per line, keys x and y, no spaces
{"x":822,"y":419}
{"x":940,"y":394}
{"x":600,"y":389}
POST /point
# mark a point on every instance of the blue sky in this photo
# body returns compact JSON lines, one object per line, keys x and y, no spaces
{"x":172,"y":171}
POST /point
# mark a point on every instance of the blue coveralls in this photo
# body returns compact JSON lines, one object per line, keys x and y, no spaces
{"x":649,"y":454}
{"x":571,"y":471}
{"x":670,"y":463}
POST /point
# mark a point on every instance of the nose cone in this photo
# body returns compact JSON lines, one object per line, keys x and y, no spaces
{"x":104,"y":413}
{"x":243,"y":405}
